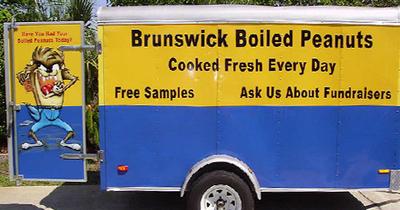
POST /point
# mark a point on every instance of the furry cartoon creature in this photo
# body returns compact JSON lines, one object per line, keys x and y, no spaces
{"x":44,"y":76}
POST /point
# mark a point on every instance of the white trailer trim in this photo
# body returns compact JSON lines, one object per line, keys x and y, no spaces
{"x":322,"y":189}
{"x":144,"y":189}
{"x":184,"y":14}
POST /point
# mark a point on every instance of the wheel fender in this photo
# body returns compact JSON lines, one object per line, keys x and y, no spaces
{"x":223,"y":159}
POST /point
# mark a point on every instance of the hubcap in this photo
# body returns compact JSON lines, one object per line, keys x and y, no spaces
{"x":221,"y":197}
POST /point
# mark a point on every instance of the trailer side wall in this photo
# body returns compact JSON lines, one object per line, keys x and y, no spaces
{"x":329,"y":124}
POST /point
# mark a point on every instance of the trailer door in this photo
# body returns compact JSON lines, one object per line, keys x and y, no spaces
{"x":45,"y":100}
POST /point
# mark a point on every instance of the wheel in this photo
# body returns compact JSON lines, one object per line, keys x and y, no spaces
{"x":220,"y":190}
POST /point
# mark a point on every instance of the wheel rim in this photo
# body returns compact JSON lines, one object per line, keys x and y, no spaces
{"x":220,"y":197}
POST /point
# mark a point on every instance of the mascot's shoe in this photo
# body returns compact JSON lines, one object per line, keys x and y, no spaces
{"x":28,"y":145}
{"x":76,"y":147}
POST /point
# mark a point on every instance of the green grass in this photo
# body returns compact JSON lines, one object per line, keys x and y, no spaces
{"x":4,"y":179}
{"x":92,"y":167}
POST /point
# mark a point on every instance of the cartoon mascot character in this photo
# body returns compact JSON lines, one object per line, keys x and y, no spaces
{"x":44,"y":76}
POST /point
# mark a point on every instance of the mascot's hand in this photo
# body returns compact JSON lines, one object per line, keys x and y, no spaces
{"x":24,"y":80}
{"x":22,"y":77}
{"x":58,"y":88}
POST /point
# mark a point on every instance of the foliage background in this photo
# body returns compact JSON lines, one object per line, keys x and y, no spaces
{"x":58,"y":10}
{"x":372,"y":3}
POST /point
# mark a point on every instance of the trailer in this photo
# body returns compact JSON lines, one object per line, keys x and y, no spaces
{"x":224,"y":102}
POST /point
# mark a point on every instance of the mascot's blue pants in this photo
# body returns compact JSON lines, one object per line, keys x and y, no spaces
{"x":47,"y":117}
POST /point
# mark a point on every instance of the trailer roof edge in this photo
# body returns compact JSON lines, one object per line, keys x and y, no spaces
{"x":248,"y":13}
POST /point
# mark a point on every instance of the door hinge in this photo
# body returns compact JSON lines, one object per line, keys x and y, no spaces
{"x":13,"y":108}
{"x":96,"y":47}
{"x":99,"y":156}
{"x":13,"y":25}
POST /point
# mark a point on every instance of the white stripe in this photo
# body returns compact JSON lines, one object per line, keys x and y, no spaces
{"x":248,"y":13}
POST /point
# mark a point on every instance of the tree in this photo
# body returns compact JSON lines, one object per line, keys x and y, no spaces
{"x":5,"y":16}
{"x":22,"y":10}
{"x":374,"y":3}
{"x":91,"y":73}
{"x":81,"y":10}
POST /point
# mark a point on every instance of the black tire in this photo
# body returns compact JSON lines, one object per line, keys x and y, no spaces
{"x":208,"y":180}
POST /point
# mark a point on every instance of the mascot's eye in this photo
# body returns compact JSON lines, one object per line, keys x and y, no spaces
{"x":41,"y":67}
{"x":55,"y":67}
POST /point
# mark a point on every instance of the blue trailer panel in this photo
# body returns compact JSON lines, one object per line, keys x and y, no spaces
{"x":286,"y":147}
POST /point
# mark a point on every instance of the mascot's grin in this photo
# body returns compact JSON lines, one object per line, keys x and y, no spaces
{"x":49,"y":82}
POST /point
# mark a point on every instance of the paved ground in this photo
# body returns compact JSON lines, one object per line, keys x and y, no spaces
{"x":88,"y":197}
